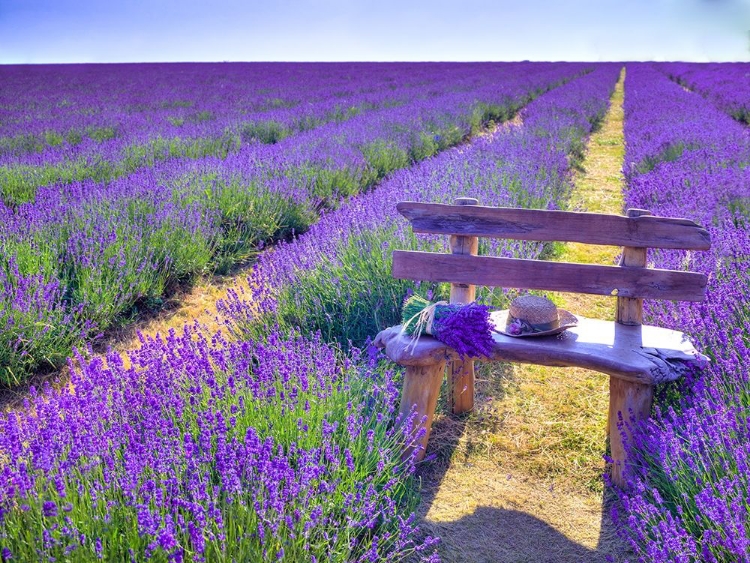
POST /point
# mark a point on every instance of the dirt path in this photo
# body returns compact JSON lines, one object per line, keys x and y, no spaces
{"x":519,"y":479}
{"x":198,"y":304}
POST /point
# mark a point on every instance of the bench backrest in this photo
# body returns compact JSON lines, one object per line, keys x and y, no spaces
{"x":630,"y":282}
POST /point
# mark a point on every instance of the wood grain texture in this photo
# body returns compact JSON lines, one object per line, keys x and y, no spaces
{"x":563,"y":226}
{"x":642,"y":354}
{"x":549,"y":276}
{"x":420,"y":392}
{"x":461,"y":372}
{"x":629,"y":310}
{"x":628,"y":402}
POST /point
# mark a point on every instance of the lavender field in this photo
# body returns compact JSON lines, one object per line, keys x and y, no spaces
{"x":96,"y":227}
{"x":277,"y":439}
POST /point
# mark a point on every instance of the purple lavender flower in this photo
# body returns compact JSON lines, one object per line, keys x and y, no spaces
{"x":49,"y":509}
{"x":164,"y":180}
{"x":689,"y":482}
{"x":465,"y":328}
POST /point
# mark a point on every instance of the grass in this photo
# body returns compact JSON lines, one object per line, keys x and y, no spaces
{"x":528,"y":460}
{"x":249,"y":219}
{"x":129,"y":537}
{"x":317,"y":459}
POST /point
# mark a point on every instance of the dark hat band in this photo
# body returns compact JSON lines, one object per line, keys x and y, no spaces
{"x":529,"y":327}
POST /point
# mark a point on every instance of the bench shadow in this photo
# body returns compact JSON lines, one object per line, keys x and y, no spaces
{"x":498,"y":535}
{"x":508,"y":536}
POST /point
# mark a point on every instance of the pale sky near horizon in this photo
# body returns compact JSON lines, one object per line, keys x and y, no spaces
{"x":67,"y":31}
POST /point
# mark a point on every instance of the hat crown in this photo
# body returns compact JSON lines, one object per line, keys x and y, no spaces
{"x":534,"y":309}
{"x":531,"y":315}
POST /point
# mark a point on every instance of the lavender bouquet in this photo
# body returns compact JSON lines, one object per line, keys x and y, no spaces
{"x":465,"y":328}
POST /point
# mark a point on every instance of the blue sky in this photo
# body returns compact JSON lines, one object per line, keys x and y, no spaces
{"x":61,"y":31}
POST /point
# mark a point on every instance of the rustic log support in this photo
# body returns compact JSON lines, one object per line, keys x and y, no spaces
{"x":629,"y":402}
{"x":629,"y":310}
{"x":461,"y":375}
{"x":420,"y":392}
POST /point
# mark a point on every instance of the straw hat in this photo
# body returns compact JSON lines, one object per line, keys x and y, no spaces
{"x":531,"y":315}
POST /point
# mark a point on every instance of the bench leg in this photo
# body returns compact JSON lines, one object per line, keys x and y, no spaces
{"x":632,"y":400}
{"x":421,"y":390}
{"x":461,"y":393}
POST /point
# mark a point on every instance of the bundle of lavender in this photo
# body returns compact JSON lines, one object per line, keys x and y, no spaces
{"x":465,"y":328}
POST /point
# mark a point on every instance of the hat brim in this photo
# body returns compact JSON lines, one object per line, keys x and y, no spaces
{"x":500,"y":319}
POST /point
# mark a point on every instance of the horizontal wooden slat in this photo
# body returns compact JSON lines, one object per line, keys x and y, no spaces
{"x":563,"y":226}
{"x":549,"y":276}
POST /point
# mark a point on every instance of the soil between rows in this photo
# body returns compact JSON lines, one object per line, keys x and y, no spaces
{"x":519,"y":479}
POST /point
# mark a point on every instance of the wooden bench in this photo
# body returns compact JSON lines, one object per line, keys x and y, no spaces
{"x":635,"y":356}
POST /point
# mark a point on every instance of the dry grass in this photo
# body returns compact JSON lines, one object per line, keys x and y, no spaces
{"x":519,"y":479}
{"x":195,"y":303}
{"x":485,"y":513}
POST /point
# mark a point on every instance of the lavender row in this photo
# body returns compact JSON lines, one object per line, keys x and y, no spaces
{"x":121,"y":152}
{"x":82,"y":255}
{"x":51,"y":98}
{"x":337,"y":278}
{"x":275,"y":449}
{"x":125,"y":126}
{"x":667,"y":138}
{"x":142,"y":140}
{"x":689,"y":490}
{"x":204,"y":450}
{"x":55,"y":105}
{"x":725,"y":84}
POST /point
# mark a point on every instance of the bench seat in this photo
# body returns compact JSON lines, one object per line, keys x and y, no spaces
{"x":641,"y":354}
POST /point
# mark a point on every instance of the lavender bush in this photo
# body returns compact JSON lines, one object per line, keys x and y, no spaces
{"x":204,"y":450}
{"x":689,"y":486}
{"x":115,"y":246}
{"x":59,"y":139}
{"x":36,"y":328}
{"x":725,"y":84}
{"x":336,"y":279}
